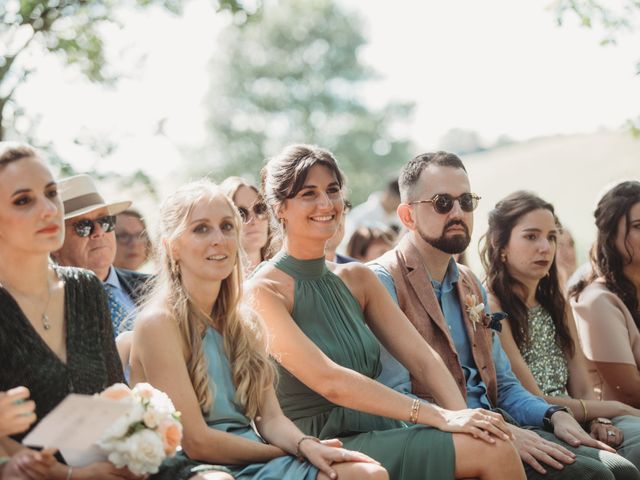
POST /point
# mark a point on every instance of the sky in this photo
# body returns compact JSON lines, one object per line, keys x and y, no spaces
{"x":498,"y":67}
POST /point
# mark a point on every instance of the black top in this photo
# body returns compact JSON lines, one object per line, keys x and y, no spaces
{"x":92,"y":359}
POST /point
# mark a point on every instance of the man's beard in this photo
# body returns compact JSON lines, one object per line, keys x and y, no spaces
{"x":451,"y":245}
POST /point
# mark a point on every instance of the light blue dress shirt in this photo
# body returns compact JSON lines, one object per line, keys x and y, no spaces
{"x":119,"y":292}
{"x":524,"y":407}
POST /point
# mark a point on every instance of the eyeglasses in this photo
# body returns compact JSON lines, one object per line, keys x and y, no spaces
{"x":86,"y":227}
{"x":129,"y":238}
{"x":259,"y":212}
{"x":443,"y":202}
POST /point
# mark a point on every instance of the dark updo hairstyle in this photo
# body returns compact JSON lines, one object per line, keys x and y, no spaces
{"x":606,"y":261}
{"x":284,"y":175}
{"x":502,"y":219}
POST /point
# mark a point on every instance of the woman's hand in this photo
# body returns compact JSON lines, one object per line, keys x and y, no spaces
{"x":607,"y":433}
{"x":478,"y":422}
{"x":323,"y":456}
{"x":568,"y":430}
{"x":104,"y":471}
{"x":29,"y":464}
{"x":16,"y":412}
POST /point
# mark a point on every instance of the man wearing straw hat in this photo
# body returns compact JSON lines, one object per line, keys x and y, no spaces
{"x":90,"y":243}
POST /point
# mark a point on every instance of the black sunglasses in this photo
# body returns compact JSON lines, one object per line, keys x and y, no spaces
{"x":443,"y":202}
{"x":259,"y":212}
{"x":86,"y":227}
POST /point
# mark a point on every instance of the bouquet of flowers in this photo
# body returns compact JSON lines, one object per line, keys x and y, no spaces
{"x":150,"y":432}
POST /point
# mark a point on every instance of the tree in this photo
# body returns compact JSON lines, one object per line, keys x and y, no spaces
{"x":614,"y":20}
{"x":295,"y":75}
{"x":71,"y":29}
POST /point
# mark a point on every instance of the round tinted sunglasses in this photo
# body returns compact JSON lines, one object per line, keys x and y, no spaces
{"x":443,"y":202}
{"x":258,"y":211}
{"x":86,"y":227}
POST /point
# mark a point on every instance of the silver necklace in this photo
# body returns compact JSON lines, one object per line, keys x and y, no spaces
{"x":45,"y":319}
{"x":46,"y":324}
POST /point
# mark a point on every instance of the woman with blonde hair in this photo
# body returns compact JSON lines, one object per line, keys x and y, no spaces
{"x":255,"y":234}
{"x":194,"y":340}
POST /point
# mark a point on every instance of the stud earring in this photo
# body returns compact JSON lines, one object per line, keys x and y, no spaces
{"x":503,"y":257}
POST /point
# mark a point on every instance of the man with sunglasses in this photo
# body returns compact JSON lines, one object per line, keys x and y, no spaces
{"x":446,"y":304}
{"x":90,"y":243}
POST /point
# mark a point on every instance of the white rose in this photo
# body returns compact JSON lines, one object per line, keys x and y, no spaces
{"x":136,"y":413}
{"x":118,"y":459}
{"x":116,"y":431}
{"x":161,"y":402}
{"x":145,"y":453}
{"x":152,"y":418}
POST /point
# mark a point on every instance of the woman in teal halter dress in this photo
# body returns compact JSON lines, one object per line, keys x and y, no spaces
{"x":322,"y":327}
{"x":194,"y":341}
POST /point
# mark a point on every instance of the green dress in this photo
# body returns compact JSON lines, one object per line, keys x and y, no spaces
{"x":330,"y":316}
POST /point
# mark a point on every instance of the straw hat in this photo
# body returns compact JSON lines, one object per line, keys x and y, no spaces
{"x":80,"y":195}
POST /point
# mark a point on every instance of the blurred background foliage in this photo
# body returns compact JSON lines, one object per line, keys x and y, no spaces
{"x":284,"y":71}
{"x":295,"y":76}
{"x":613,"y":17}
{"x":72,"y":30}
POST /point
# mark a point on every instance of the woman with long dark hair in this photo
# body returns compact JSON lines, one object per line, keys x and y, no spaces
{"x":319,"y":314}
{"x":519,"y":256}
{"x":606,"y":304}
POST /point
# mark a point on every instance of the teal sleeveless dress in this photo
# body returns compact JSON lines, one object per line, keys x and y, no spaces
{"x":227,"y":416}
{"x":330,"y":316}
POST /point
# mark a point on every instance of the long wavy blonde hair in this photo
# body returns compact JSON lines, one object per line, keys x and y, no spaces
{"x":245,"y":337}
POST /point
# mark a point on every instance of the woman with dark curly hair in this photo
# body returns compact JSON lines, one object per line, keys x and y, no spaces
{"x":540,"y":339}
{"x":606,"y":304}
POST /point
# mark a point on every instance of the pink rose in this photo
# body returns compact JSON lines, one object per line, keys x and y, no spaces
{"x":144,"y":390}
{"x":171,"y":433}
{"x":117,"y":391}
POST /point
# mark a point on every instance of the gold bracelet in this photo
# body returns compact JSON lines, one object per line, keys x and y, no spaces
{"x":302,"y":439}
{"x":584,"y":410}
{"x":415,"y":411}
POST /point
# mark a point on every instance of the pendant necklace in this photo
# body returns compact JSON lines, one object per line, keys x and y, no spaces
{"x":45,"y":319}
{"x":46,"y":324}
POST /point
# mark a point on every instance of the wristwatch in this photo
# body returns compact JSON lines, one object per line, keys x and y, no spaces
{"x":546,"y":420}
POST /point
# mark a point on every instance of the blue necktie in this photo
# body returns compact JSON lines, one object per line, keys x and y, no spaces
{"x":120,"y":318}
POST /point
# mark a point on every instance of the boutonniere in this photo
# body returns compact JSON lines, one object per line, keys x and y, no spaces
{"x":477,"y":315}
{"x":475,"y":309}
